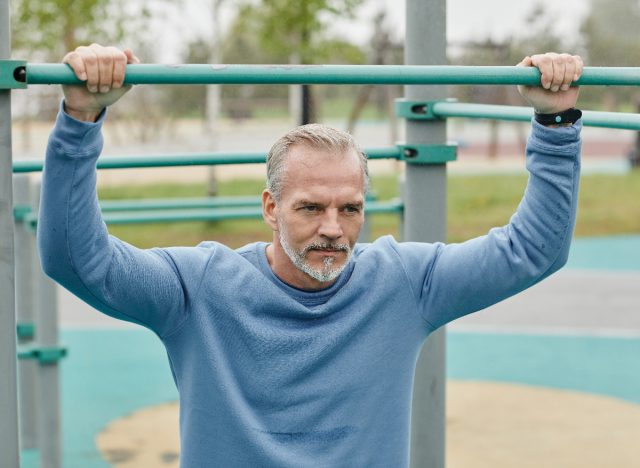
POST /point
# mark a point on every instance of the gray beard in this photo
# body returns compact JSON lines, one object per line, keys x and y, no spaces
{"x":328,"y":272}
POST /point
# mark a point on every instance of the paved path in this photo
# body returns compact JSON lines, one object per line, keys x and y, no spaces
{"x":595,"y":303}
{"x":570,"y":302}
{"x":587,"y":301}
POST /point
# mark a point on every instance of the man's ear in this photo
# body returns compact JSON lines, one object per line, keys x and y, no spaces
{"x":269,"y":210}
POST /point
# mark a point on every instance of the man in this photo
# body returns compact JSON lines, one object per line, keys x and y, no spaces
{"x":300,"y":352}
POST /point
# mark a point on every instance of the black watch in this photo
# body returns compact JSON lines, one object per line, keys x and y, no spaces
{"x":569,"y":116}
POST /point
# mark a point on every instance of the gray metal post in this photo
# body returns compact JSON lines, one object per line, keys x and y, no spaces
{"x":25,"y":255}
{"x":48,"y":391}
{"x":425,"y":220}
{"x":9,"y":443}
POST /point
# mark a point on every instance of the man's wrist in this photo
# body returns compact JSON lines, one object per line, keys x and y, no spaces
{"x":82,"y":115}
{"x":564,"y":118}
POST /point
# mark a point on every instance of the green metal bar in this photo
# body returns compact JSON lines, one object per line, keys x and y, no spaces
{"x":196,"y":159}
{"x":26,"y":330}
{"x":43,"y":354}
{"x":334,"y":74}
{"x":220,"y":214}
{"x":178,"y":203}
{"x":212,"y":214}
{"x":186,"y":203}
{"x":618,"y":120}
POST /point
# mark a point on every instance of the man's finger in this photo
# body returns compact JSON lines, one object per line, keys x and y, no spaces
{"x":545,"y":65}
{"x":131,"y":58}
{"x":90,"y":61}
{"x":579,"y":67}
{"x":77,"y":64}
{"x":559,"y":67}
{"x":526,"y":62}
{"x":105,"y":67}
{"x":569,"y":72}
{"x":119,"y":66}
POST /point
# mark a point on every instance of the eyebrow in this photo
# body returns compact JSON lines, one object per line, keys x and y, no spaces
{"x":358,"y":204}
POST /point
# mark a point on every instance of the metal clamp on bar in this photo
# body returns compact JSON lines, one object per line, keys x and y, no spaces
{"x":12,"y":74}
{"x":418,"y":110}
{"x":44,"y":355}
{"x":26,"y":330}
{"x":20,"y":212}
{"x":428,"y":154}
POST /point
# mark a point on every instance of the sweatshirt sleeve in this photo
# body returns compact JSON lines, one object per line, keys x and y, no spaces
{"x":141,"y":286}
{"x":456,"y":279}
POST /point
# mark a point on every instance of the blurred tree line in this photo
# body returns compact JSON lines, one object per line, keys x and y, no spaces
{"x":609,"y":36}
{"x":285,"y":31}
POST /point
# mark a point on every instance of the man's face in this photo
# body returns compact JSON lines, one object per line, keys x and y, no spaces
{"x":319,"y":216}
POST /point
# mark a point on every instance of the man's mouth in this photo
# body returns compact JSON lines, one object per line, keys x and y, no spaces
{"x":328,"y":249}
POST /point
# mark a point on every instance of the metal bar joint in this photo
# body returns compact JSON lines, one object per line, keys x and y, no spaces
{"x":44,"y":355}
{"x":428,"y":154}
{"x":13,"y":74}
{"x":418,"y":110}
{"x":26,"y":330}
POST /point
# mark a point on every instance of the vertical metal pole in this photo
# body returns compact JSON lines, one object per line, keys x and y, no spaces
{"x":9,"y":443}
{"x":425,"y":221}
{"x":25,"y":254}
{"x":48,"y":391}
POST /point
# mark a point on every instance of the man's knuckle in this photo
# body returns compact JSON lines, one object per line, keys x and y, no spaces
{"x":90,"y":59}
{"x":105,"y":59}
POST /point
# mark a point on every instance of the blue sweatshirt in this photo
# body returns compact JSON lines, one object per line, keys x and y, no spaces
{"x":272,"y":376}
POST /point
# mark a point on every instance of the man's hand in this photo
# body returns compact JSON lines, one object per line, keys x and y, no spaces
{"x":103,"y":69}
{"x":557,"y":71}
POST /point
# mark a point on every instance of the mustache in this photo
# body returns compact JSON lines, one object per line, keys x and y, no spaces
{"x":326,"y":246}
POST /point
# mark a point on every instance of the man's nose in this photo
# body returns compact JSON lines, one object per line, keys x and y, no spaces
{"x":330,"y":225}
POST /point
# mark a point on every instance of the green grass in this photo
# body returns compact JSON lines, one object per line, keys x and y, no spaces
{"x":609,"y":204}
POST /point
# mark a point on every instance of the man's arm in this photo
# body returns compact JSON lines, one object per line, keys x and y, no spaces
{"x":76,"y":250}
{"x":458,"y":279}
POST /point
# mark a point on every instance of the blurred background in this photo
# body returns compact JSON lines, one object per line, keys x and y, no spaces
{"x":577,"y":333}
{"x":170,"y":119}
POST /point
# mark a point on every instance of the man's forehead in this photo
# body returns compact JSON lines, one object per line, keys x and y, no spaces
{"x":305,"y":156}
{"x":315,"y":174}
{"x":319,"y":150}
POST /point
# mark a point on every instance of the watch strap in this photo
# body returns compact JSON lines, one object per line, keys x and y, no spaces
{"x":569,"y":116}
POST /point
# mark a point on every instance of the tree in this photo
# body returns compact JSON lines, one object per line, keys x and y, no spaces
{"x":51,"y":28}
{"x":539,"y":36}
{"x":383,"y":51}
{"x":298,"y":29}
{"x":611,"y":36}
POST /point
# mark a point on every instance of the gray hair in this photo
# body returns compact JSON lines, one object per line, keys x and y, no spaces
{"x":315,"y":136}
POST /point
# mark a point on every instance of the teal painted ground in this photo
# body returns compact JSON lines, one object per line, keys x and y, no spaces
{"x":107,"y":374}
{"x":603,"y":366}
{"x":110,"y":373}
{"x":606,"y":253}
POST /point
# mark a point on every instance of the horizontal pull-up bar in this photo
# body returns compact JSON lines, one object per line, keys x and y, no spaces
{"x":328,"y":74}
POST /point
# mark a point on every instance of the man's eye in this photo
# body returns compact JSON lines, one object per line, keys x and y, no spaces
{"x":352,"y":209}
{"x":310,"y":208}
